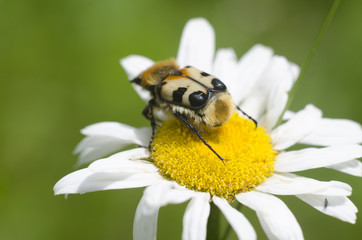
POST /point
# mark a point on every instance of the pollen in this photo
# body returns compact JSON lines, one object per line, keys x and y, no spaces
{"x":182,"y":157}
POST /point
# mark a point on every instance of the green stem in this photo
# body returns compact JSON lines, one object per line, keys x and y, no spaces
{"x":213,"y":224}
{"x":311,"y":53}
{"x":228,"y":228}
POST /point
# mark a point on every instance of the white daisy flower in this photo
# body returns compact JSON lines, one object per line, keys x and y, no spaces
{"x":182,"y":168}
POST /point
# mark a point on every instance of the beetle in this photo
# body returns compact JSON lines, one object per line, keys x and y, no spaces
{"x":194,"y":97}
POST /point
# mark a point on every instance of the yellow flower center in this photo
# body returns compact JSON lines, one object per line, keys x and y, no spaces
{"x":181,"y":156}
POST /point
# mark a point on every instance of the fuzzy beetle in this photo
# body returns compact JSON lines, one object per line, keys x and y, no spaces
{"x":194,"y":97}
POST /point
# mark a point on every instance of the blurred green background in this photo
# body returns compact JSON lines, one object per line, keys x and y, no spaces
{"x":60,"y":71}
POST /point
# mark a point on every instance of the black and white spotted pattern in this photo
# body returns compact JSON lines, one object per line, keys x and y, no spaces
{"x":190,"y":88}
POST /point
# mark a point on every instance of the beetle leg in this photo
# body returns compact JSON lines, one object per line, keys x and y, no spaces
{"x":196,"y":131}
{"x":252,"y":119}
{"x":148,"y":113}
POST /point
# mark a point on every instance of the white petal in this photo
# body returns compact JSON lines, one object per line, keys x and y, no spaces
{"x":291,"y":184}
{"x":134,"y":65}
{"x":117,"y":130}
{"x":197,"y":45}
{"x":310,"y":158}
{"x":84,"y":180}
{"x":248,"y":70}
{"x":95,"y":147}
{"x":107,"y":137}
{"x":283,"y":75}
{"x":145,"y":95}
{"x":154,"y":197}
{"x":288,"y":115}
{"x":296,"y":128}
{"x":240,"y":224}
{"x":195,"y":218}
{"x":275,"y":217}
{"x":352,"y":167}
{"x":115,"y":162}
{"x":254,"y":105}
{"x":126,"y":161}
{"x":334,"y":131}
{"x":145,"y":222}
{"x":336,"y":206}
{"x":115,"y":172}
{"x":90,"y":142}
{"x":224,"y":65}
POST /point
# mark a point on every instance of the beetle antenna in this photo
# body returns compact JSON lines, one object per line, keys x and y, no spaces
{"x":196,"y":131}
{"x":252,"y":119}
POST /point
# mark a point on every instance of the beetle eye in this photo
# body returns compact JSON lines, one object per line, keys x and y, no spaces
{"x":218,"y":85}
{"x":197,"y":99}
